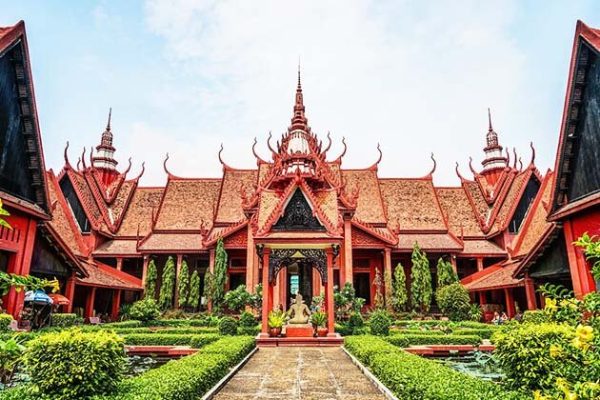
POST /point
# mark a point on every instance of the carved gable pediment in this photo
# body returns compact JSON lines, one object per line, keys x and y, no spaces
{"x":298,"y":216}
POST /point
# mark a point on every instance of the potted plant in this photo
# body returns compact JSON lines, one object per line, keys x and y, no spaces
{"x":275,"y":323}
{"x":319,"y":322}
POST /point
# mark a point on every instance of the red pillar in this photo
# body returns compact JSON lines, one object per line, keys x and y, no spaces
{"x":116,"y":303}
{"x":146,"y":259}
{"x":482,"y":299}
{"x":267,"y":292}
{"x":479,"y":264}
{"x":250,"y":260}
{"x":177,"y":271}
{"x":510,"y":302}
{"x":348,"y":274}
{"x":70,"y":293}
{"x":89,"y":302}
{"x":119,"y":263}
{"x":387,"y":263}
{"x":530,"y":293}
{"x":581,"y":275}
{"x":329,"y":295}
{"x":21,"y":264}
{"x":211,"y":268}
{"x":453,"y":262}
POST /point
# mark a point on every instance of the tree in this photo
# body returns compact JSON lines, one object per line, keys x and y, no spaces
{"x":400,"y":296}
{"x":219,"y":278}
{"x":421,"y":291}
{"x":150,"y":284}
{"x":454,"y":301}
{"x":237,"y":299}
{"x":165,"y":299}
{"x":378,"y":283}
{"x":445,"y":273}
{"x":194,"y":297}
{"x":389,"y":293}
{"x":183,"y":285}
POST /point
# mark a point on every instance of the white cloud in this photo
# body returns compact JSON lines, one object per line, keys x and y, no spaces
{"x":416,"y":77}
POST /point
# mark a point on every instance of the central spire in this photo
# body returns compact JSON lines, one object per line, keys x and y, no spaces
{"x":299,"y":121}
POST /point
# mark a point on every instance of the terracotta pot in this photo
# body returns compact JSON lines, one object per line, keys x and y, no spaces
{"x":274,"y":332}
{"x":322,"y":331}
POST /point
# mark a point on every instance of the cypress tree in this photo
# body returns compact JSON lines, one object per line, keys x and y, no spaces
{"x":400,"y":298}
{"x":194,"y":297}
{"x":150,"y":284}
{"x":219,"y":278}
{"x":421,"y":290}
{"x":183,"y":285}
{"x":165,"y":299}
{"x":445,"y":273}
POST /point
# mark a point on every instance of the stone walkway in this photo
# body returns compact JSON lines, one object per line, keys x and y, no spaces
{"x":299,"y":373}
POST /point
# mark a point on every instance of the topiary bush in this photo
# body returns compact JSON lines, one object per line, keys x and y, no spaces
{"x":535,"y":317}
{"x":454,"y":301}
{"x":144,"y":310}
{"x":5,"y":320}
{"x":228,"y":326}
{"x":422,"y":340}
{"x":65,"y":320}
{"x":73,"y":364}
{"x":168,"y":339}
{"x":247,"y":320}
{"x":380,"y":322}
{"x":356,"y":321}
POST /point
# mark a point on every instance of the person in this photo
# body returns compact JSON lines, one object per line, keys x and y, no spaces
{"x":504,"y":317}
{"x":496,"y":320}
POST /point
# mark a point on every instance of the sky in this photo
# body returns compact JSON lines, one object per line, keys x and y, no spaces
{"x":184,"y":76}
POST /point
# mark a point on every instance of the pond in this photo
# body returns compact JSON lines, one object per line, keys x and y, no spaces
{"x":478,"y":364}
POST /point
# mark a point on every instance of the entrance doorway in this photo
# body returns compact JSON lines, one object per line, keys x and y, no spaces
{"x":299,"y":279}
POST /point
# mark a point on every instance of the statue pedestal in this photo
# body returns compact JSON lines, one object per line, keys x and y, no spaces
{"x":299,"y":330}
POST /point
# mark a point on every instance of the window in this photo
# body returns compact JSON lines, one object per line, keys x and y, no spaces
{"x":362,"y":286}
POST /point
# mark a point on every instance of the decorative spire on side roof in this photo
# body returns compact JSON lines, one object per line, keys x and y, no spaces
{"x":299,"y":121}
{"x":494,"y":158}
{"x":104,"y":160}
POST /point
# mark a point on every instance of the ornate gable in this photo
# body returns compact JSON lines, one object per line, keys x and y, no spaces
{"x":298,"y":216}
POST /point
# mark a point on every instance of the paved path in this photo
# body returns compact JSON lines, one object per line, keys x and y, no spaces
{"x":299,"y":373}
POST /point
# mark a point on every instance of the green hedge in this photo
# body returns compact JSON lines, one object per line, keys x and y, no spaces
{"x":535,"y":317}
{"x":65,"y":320}
{"x":483,"y":333}
{"x":5,"y":320}
{"x":187,"y":378}
{"x":411,"y":377}
{"x":166,"y":339}
{"x":416,"y":332}
{"x":158,"y":331}
{"x":419,"y":340}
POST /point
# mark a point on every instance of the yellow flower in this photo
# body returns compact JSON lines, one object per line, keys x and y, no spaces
{"x":585,"y":333}
{"x":571,"y":396}
{"x":562,"y":385}
{"x":550,"y":305}
{"x":555,"y":351}
{"x":537,"y":395}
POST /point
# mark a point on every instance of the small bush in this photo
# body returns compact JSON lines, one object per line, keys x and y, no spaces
{"x":356,"y":320}
{"x":144,"y":310}
{"x":380,"y":322}
{"x":421,"y":340}
{"x":228,"y":326}
{"x":5,"y":320}
{"x":247,"y":320}
{"x":535,"y":317}
{"x":65,"y":320}
{"x":73,"y":364}
{"x":454,"y":301}
{"x":168,"y":339}
{"x":412,"y":377}
{"x":249,"y":330}
{"x":123,"y":324}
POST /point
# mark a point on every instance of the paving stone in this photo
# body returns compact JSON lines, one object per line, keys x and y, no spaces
{"x":299,"y":373}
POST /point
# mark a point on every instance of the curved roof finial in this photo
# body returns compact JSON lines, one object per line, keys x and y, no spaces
{"x":137,"y":178}
{"x":471,"y":167}
{"x":92,"y":156}
{"x":269,"y":144}
{"x":520,"y":164}
{"x":328,"y":144}
{"x":434,"y":165}
{"x":127,"y":169}
{"x":79,"y":164}
{"x":339,"y":158}
{"x":458,"y":173}
{"x":380,"y":157}
{"x":516,"y":158}
{"x":165,"y":165}
{"x":67,"y":163}
{"x":221,"y":155}
{"x":83,"y":159}
{"x":507,"y":157}
{"x":532,"y":153}
{"x":255,"y":153}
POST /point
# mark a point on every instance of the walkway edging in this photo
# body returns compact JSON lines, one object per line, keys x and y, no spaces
{"x":382,"y":388}
{"x":215,"y":389}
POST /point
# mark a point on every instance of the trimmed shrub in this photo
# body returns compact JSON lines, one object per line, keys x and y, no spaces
{"x":123,"y":324}
{"x":183,"y":285}
{"x":186,"y":330}
{"x":400,"y":294}
{"x":535,"y":317}
{"x":445,"y":273}
{"x":420,"y":289}
{"x":411,"y":377}
{"x":247,"y":320}
{"x":194,"y":298}
{"x":144,"y":310}
{"x":419,"y":340}
{"x":454,"y":301}
{"x":356,"y":320}
{"x":5,"y":320}
{"x":65,"y":320}
{"x":73,"y":364}
{"x":228,"y":326}
{"x":483,"y":333}
{"x":167,"y":285}
{"x":168,"y":339}
{"x":380,"y":322}
{"x":249,"y":330}
{"x":150,"y":283}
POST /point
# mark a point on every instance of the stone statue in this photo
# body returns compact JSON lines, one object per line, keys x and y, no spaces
{"x":298,"y":312}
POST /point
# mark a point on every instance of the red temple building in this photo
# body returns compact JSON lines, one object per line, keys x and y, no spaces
{"x":299,"y":219}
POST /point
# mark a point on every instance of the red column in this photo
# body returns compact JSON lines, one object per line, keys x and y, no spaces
{"x":348,"y":275}
{"x":267,"y":292}
{"x":146,"y":259}
{"x":510,"y":302}
{"x":387,"y":263}
{"x":21,"y":265}
{"x":119,"y":263}
{"x":250,"y":261}
{"x":89,"y":302}
{"x":177,"y":271}
{"x":116,"y":303}
{"x":479,"y":264}
{"x":482,"y":299}
{"x":530,"y":293}
{"x":329,"y":293}
{"x":211,"y":268}
{"x":70,"y":293}
{"x":453,"y":262}
{"x":583,"y":282}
